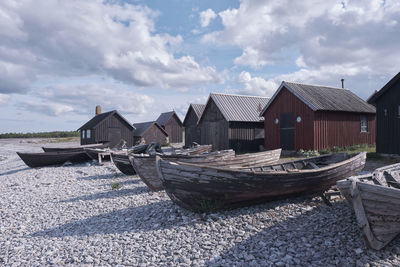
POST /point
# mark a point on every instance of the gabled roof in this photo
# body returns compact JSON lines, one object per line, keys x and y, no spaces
{"x":164,"y":118}
{"x":97,"y":119}
{"x":198,"y":110}
{"x":242,"y":108}
{"x":324,"y":98}
{"x":142,"y":127}
{"x":375,"y":96}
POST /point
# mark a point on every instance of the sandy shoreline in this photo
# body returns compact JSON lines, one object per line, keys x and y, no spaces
{"x":70,"y":216}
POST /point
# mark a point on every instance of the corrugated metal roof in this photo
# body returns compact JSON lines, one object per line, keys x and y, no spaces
{"x":326,"y":98}
{"x":198,"y":109}
{"x":239,"y":107}
{"x":93,"y":122}
{"x":164,"y":117}
{"x":141,"y":127}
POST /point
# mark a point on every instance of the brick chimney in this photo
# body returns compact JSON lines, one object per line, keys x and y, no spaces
{"x":98,"y":110}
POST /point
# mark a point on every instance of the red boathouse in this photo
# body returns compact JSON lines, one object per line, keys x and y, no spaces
{"x":309,"y":117}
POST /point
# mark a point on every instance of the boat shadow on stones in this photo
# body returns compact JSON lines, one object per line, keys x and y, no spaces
{"x":110,"y":194}
{"x":317,"y":236}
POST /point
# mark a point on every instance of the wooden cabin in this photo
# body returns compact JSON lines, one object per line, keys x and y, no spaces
{"x":387,"y":103}
{"x":172,"y":125}
{"x":233,"y":121}
{"x":309,"y":117}
{"x":192,"y":129}
{"x":148,"y":132}
{"x":109,"y":127}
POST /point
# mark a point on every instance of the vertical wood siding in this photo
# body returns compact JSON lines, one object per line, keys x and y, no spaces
{"x":341,"y":129}
{"x":246,"y":136}
{"x":192,"y":130}
{"x":153,"y":134}
{"x":214,"y":128}
{"x":174,"y":130}
{"x":286,"y":102}
{"x":388,"y":126}
{"x":100,"y":132}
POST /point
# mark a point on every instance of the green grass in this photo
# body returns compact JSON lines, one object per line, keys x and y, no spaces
{"x":54,"y":134}
{"x":116,"y":186}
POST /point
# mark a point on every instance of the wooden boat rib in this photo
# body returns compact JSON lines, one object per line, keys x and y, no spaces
{"x":145,"y":165}
{"x":202,"y":188}
{"x":376,"y":206}
{"x":121,"y":159}
{"x":77,"y":148}
{"x":34,"y":160}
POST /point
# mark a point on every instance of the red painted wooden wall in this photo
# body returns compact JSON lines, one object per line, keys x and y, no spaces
{"x":285,"y":102}
{"x":317,"y":130}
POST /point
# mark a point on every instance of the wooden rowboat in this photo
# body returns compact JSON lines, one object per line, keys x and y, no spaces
{"x":34,"y":160}
{"x":376,"y":203}
{"x":121,"y":159}
{"x":145,"y":165}
{"x":196,"y":150}
{"x":93,"y":153}
{"x":77,"y":148}
{"x":202,"y":188}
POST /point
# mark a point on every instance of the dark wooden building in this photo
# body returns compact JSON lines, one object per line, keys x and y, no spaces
{"x":308,"y":117}
{"x":387,"y":102}
{"x":192,"y":129}
{"x":148,"y":132}
{"x":109,"y":127}
{"x":172,"y":125}
{"x":233,"y":121}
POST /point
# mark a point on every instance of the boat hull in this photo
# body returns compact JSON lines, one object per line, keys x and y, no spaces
{"x":145,"y":165}
{"x":376,"y":208}
{"x":203,"y":189}
{"x":35,"y":160}
{"x":72,"y":149}
{"x":121,"y":161}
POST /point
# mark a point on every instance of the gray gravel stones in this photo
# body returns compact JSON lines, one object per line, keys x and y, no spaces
{"x":70,"y":215}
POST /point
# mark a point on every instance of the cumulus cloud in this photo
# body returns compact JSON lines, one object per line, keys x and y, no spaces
{"x":4,"y":99}
{"x":83,"y":98}
{"x":206,"y":17}
{"x":356,"y":37}
{"x":256,"y":85}
{"x":42,"y":38}
{"x":51,"y":109}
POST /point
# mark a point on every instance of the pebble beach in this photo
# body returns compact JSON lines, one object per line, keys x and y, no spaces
{"x":75,"y":215}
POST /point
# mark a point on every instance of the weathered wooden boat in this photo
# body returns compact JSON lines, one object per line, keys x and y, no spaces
{"x":93,"y":153}
{"x":375,"y":199}
{"x":203,"y":188}
{"x":34,"y":160}
{"x":145,"y":167}
{"x":76,"y":148}
{"x":121,"y":159}
{"x":196,"y":150}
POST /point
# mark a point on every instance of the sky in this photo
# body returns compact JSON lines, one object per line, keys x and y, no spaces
{"x":59,"y":59}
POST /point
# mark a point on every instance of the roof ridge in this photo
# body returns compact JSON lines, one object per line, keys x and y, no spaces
{"x":313,"y":85}
{"x":240,"y":95}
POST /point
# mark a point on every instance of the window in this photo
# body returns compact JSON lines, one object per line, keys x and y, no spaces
{"x":385,"y":112}
{"x":364,"y":124}
{"x":398,"y":111}
{"x":83,"y":134}
{"x":88,"y":134}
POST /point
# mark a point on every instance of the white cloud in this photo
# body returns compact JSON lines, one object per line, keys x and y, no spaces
{"x":4,"y":99}
{"x":357,"y":39}
{"x":56,"y":39}
{"x":206,"y":17}
{"x":84,"y":97}
{"x":51,"y":109}
{"x":256,"y":85}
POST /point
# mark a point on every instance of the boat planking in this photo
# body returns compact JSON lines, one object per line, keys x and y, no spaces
{"x":43,"y":159}
{"x":375,"y":198}
{"x":203,"y":188}
{"x":121,"y":159}
{"x":145,"y":165}
{"x":70,"y":149}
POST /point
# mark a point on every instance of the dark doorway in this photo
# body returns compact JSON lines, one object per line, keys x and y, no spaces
{"x":287,"y":131}
{"x":114,"y":136}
